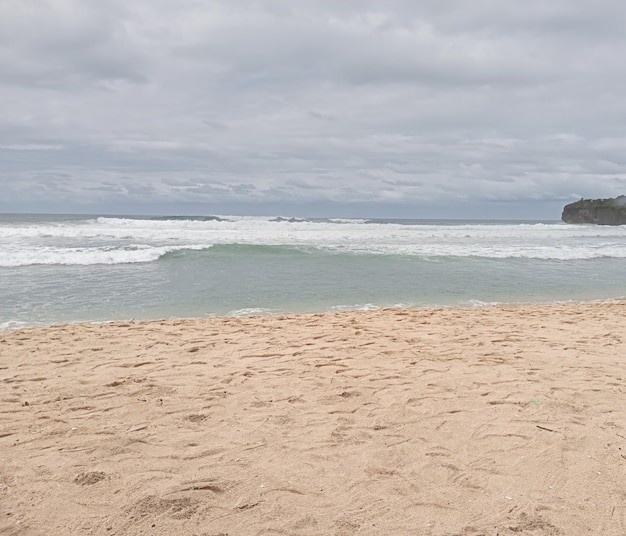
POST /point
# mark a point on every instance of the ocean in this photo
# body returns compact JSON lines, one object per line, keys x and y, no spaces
{"x":72,"y":268}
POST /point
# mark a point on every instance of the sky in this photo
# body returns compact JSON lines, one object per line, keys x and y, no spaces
{"x":354,"y":108}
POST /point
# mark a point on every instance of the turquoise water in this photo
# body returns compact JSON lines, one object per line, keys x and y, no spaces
{"x":56,"y":269}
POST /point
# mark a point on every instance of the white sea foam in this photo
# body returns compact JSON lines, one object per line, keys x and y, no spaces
{"x":11,"y":325}
{"x":480,"y":303}
{"x":108,"y":240}
{"x":355,"y":307}
{"x":252,"y":311}
{"x":89,"y":256}
{"x":347,"y":220}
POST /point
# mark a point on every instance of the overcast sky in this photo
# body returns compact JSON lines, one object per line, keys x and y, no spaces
{"x":481,"y":108}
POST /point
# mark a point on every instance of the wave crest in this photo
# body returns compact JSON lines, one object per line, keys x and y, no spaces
{"x":92,"y":256}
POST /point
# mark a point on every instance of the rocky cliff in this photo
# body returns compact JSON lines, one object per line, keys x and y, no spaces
{"x":600,"y":211}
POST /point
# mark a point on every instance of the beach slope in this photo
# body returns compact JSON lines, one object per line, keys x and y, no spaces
{"x":483,"y":421}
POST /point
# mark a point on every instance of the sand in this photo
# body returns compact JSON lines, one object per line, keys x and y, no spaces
{"x":494,"y":421}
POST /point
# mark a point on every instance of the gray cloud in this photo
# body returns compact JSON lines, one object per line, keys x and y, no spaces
{"x":278,"y":103}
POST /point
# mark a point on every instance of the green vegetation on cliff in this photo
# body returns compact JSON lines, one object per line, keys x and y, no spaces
{"x":599,"y":211}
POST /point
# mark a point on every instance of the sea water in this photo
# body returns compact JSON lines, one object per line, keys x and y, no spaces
{"x":64,"y":268}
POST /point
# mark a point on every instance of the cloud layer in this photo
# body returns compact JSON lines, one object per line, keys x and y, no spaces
{"x":281,"y":103}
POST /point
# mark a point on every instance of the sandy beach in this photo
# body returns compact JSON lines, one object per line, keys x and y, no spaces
{"x":480,"y":421}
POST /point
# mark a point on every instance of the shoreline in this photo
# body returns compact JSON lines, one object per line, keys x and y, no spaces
{"x":503,"y":420}
{"x":339,"y":310}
